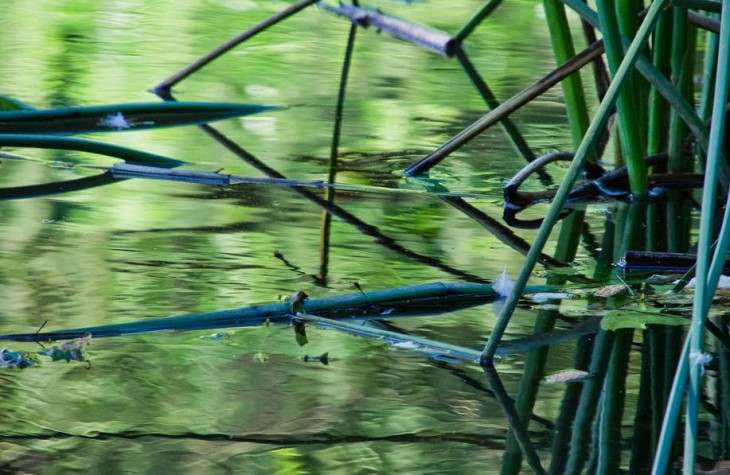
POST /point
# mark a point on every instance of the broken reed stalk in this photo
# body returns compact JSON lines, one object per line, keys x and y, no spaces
{"x":436,"y":41}
{"x":581,"y":155}
{"x":591,"y":53}
{"x":424,"y":299}
{"x":165,"y":86}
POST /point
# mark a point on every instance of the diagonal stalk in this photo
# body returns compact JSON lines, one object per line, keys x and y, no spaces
{"x":580,"y":157}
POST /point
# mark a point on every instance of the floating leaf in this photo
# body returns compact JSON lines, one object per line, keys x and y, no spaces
{"x":567,"y":376}
{"x":611,"y":290}
{"x":70,"y":350}
{"x":12,"y":360}
{"x":120,"y":117}
{"x":638,"y":319}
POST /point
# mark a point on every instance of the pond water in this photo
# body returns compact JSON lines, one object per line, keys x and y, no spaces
{"x":242,"y":400}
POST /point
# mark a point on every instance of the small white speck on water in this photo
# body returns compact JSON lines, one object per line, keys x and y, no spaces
{"x":503,"y":284}
{"x":115,"y":121}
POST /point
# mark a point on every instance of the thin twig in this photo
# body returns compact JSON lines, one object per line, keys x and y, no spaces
{"x":168,"y":83}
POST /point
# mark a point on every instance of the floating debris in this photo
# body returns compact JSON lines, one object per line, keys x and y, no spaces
{"x":567,"y":376}
{"x":115,"y":121}
{"x":503,"y":285}
{"x":723,"y":283}
{"x":611,"y":290}
{"x":407,"y":345}
{"x":324,"y":358}
{"x":71,"y":350}
{"x":296,"y":301}
{"x":541,"y":297}
{"x":12,"y":360}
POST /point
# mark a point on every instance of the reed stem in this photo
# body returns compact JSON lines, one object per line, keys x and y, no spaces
{"x":581,"y":155}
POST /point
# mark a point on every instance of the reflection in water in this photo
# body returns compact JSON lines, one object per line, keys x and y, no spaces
{"x":245,"y":401}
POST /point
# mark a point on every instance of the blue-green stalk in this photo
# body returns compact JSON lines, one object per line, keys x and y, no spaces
{"x":703,"y":290}
{"x":576,"y":165}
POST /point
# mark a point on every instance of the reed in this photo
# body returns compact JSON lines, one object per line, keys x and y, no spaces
{"x":581,"y":155}
{"x":707,"y":274}
{"x":628,"y":117}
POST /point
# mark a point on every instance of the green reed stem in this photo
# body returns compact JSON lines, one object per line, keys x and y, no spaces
{"x":628,"y":118}
{"x":585,"y":412}
{"x":657,"y":105}
{"x":660,"y":82}
{"x":703,"y":290}
{"x":611,"y":412}
{"x":666,"y":438}
{"x":708,"y":82}
{"x":575,"y":101}
{"x":576,"y":165}
{"x":682,"y":68}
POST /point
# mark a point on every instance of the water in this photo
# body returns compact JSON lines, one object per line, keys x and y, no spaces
{"x":242,"y":400}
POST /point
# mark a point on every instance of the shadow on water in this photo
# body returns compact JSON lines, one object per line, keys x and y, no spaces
{"x":346,"y":382}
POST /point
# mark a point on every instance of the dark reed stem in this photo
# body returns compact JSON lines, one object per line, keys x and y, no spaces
{"x":708,"y":5}
{"x":652,"y":261}
{"x":329,"y":193}
{"x":516,"y":424}
{"x":498,"y":230}
{"x":346,"y":216}
{"x":165,"y":86}
{"x":510,"y":128}
{"x":513,"y":104}
{"x":483,"y":13}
